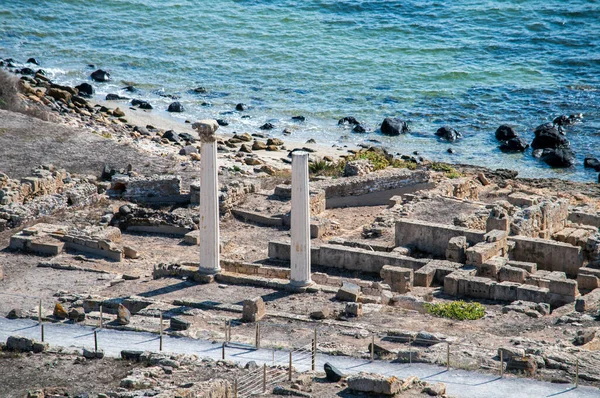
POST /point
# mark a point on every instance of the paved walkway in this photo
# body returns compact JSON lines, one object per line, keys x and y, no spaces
{"x":460,"y":383}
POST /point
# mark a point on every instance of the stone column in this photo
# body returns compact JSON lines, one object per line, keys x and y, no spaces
{"x":300,"y":249}
{"x":209,"y":198}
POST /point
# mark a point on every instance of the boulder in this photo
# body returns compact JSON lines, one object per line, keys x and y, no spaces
{"x":115,"y":97}
{"x":348,"y":292}
{"x":130,"y":252}
{"x":141,"y":104}
{"x":354,"y":309}
{"x":274,"y":141}
{"x":253,"y":309}
{"x":558,"y":158}
{"x":32,"y":61}
{"x":448,"y":133}
{"x":24,"y":344}
{"x":118,"y":112}
{"x":241,"y":107}
{"x":359,"y":129}
{"x":178,"y":323}
{"x":584,"y":337}
{"x":505,"y":133}
{"x":348,"y":120}
{"x":510,"y":352}
{"x":59,"y":94}
{"x":394,"y":126}
{"x":332,"y":373}
{"x":222,"y":122}
{"x":374,"y":384}
{"x":175,"y":107}
{"x":15,"y":313}
{"x":89,"y":354}
{"x":526,"y":364}
{"x":267,"y":126}
{"x":123,"y":315}
{"x":358,"y":168}
{"x":564,"y":120}
{"x":171,"y":136}
{"x":77,"y":314}
{"x":514,"y":145}
{"x":299,"y":118}
{"x":548,"y":136}
{"x":100,"y":76}
{"x":435,"y":390}
{"x":320,"y":314}
{"x":188,"y":150}
{"x":259,"y":145}
{"x":85,"y":89}
{"x":591,"y":163}
{"x":59,"y":311}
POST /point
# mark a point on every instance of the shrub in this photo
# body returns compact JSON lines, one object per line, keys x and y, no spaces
{"x":458,"y":310}
{"x":449,"y":171}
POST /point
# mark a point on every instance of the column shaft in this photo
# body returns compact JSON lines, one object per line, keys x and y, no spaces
{"x":300,"y":221}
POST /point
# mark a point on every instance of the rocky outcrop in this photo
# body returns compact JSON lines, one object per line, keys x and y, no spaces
{"x":394,"y":126}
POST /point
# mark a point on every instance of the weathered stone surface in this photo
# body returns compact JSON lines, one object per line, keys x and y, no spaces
{"x":374,"y":384}
{"x":400,"y":279}
{"x":90,"y":354}
{"x":77,"y":314}
{"x":253,"y":310}
{"x":435,"y":390}
{"x":130,"y":252}
{"x":526,"y":364}
{"x":510,"y":352}
{"x":59,"y":311}
{"x":15,"y":313}
{"x":131,"y":355}
{"x":584,"y":337}
{"x":123,"y":315}
{"x":24,"y":344}
{"x":320,"y":314}
{"x":332,"y":373}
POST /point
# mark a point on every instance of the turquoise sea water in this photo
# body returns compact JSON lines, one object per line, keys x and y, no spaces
{"x":469,"y":64}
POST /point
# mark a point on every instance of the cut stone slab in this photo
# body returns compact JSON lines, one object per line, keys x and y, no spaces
{"x":374,"y":384}
{"x":354,"y":309}
{"x":253,"y":310}
{"x":178,"y":323}
{"x":348,"y":292}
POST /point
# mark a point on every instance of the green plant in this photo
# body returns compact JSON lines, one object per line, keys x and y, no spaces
{"x":458,"y":310}
{"x":325,"y":168}
{"x":236,"y":168}
{"x":403,"y":164}
{"x":449,"y":171}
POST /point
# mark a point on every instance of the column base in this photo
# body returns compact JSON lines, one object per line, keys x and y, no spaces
{"x":300,"y":284}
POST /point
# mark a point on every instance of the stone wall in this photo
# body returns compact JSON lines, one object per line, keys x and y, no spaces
{"x":432,"y":238}
{"x":155,"y":189}
{"x":541,"y":220}
{"x":549,"y":255}
{"x":230,"y":195}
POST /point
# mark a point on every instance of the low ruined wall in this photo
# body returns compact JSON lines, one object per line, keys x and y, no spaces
{"x":541,"y":220}
{"x":155,"y":189}
{"x":343,"y":191}
{"x":336,"y":256}
{"x":549,"y":255}
{"x":430,"y":237}
{"x":230,"y":195}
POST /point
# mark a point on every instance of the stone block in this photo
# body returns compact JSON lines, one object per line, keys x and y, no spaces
{"x":548,"y":255}
{"x":529,"y":267}
{"x":588,"y":302}
{"x":253,"y":310}
{"x":374,"y":384}
{"x":130,"y":252}
{"x":512,"y":274}
{"x":348,"y":292}
{"x":481,"y":253}
{"x":475,"y":286}
{"x":564,"y":287}
{"x":505,"y":291}
{"x":178,"y":323}
{"x":456,"y":249}
{"x":526,"y":364}
{"x":320,"y":314}
{"x":532,"y":293}
{"x":400,"y":279}
{"x":46,"y":246}
{"x":522,"y":199}
{"x":192,"y":237}
{"x":332,"y":373}
{"x":451,"y":283}
{"x":424,"y":276}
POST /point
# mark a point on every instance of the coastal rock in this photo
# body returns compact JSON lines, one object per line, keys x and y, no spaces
{"x":222,"y":122}
{"x":199,"y":90}
{"x":592,"y":163}
{"x":58,"y":94}
{"x":26,"y":71}
{"x":142,"y":104}
{"x":188,"y":150}
{"x":85,"y":89}
{"x":348,"y":120}
{"x":118,"y":112}
{"x":564,"y":120}
{"x":241,"y":107}
{"x":558,"y":158}
{"x":505,"y":132}
{"x":448,"y":133}
{"x":359,"y":129}
{"x":115,"y":97}
{"x":515,"y":144}
{"x":267,"y":126}
{"x":298,"y":118}
{"x":259,"y":145}
{"x":175,"y":107}
{"x":77,"y":314}
{"x":274,"y":141}
{"x":394,"y":126}
{"x":100,"y":76}
{"x":548,"y":136}
{"x":15,"y":313}
{"x":32,"y":61}
{"x":171,"y":136}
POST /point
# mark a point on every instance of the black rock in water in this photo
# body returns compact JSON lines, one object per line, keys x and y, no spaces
{"x":505,"y":132}
{"x":591,"y":163}
{"x":514,"y":145}
{"x":100,"y":76}
{"x":558,"y":158}
{"x":359,"y":129}
{"x":548,"y":136}
{"x":241,"y":107}
{"x":32,"y":61}
{"x":448,"y":133}
{"x":85,"y":89}
{"x":175,"y":107}
{"x":348,"y":120}
{"x":298,"y":118}
{"x":115,"y":97}
{"x":394,"y":126}
{"x":332,"y":373}
{"x":222,"y":122}
{"x":267,"y":126}
{"x":141,"y":104}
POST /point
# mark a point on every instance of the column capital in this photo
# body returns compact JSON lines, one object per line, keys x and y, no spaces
{"x":206,"y":129}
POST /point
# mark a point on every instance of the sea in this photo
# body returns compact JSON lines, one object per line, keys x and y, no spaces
{"x":468,"y":64}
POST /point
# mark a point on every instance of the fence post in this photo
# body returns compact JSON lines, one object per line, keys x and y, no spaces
{"x":161,"y":332}
{"x":235,"y":389}
{"x":577,"y":373}
{"x":257,"y":335}
{"x":501,"y":363}
{"x":265,"y":378}
{"x":273,"y":356}
{"x":229,"y":332}
{"x":95,"y":341}
{"x":410,"y":350}
{"x":372,"y":347}
{"x":448,"y":358}
{"x":223,"y":351}
{"x":42,"y":331}
{"x":100,"y":316}
{"x":314,"y":350}
{"x":40,"y":312}
{"x":290,"y":368}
